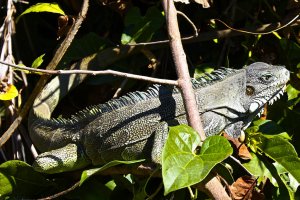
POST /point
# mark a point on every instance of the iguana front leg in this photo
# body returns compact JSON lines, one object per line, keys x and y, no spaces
{"x":235,"y":129}
{"x":159,"y":140}
{"x":149,"y":149}
{"x":67,"y":158}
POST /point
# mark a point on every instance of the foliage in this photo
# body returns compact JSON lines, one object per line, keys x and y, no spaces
{"x":273,"y":143}
{"x":38,"y":61}
{"x":181,"y":165}
{"x":43,"y":7}
{"x":90,"y":172}
{"x":141,"y":28}
{"x":18,"y":179}
{"x":282,"y":169}
{"x":10,"y":93}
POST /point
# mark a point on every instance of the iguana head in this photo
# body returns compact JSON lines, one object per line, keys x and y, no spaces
{"x":264,"y":84}
{"x":235,"y":97}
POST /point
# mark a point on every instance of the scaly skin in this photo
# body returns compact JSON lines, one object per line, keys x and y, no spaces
{"x":136,"y":126}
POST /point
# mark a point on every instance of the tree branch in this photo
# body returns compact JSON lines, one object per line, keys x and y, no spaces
{"x":74,"y":186}
{"x":184,"y":79}
{"x":211,"y":186}
{"x":190,"y":22}
{"x":94,"y":73}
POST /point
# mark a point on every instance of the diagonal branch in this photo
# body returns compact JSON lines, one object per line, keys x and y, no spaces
{"x":211,"y":185}
{"x":184,"y":79}
{"x":52,"y":65}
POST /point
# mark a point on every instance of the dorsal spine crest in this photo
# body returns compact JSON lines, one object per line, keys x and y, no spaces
{"x":135,"y":97}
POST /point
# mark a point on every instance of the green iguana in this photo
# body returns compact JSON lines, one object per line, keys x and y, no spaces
{"x":135,"y":126}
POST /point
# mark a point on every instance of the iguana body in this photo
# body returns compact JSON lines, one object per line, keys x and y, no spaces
{"x":136,"y":125}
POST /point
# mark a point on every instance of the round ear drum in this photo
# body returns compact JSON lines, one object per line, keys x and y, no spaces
{"x":249,"y":90}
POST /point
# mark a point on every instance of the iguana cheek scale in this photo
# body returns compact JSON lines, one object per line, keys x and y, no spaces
{"x":135,"y":126}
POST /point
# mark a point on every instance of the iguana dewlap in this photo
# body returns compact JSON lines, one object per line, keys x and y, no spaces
{"x":135,"y":126}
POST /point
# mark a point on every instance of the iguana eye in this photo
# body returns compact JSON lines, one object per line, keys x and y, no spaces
{"x":266,"y":77}
{"x":250,"y":90}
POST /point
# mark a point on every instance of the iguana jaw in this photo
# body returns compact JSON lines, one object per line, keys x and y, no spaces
{"x":258,"y":103}
{"x":257,"y":107}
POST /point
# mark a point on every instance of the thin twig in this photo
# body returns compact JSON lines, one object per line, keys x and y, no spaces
{"x":51,"y":66}
{"x":92,"y":72}
{"x":152,"y":196}
{"x":61,"y":193}
{"x":118,"y":91}
{"x":226,"y":42}
{"x":191,"y":192}
{"x":190,"y":21}
{"x":261,"y":33}
{"x":230,"y":32}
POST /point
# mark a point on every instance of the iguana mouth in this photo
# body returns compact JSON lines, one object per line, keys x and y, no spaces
{"x":257,"y":107}
{"x":258,"y":103}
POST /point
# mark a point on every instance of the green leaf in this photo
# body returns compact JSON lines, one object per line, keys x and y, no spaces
{"x":292,"y":92}
{"x":43,"y":7}
{"x":181,"y":166}
{"x":38,"y":61}
{"x":270,"y":129}
{"x":273,"y":143}
{"x":7,"y":185}
{"x":141,"y":28}
{"x":125,"y":38}
{"x":276,"y":35}
{"x":18,"y":178}
{"x":90,"y":172}
{"x":291,"y":50}
{"x":111,"y":185}
{"x":11,"y":93}
{"x":287,"y":179}
{"x":202,"y":69}
{"x":281,"y":151}
{"x":293,"y":183}
{"x":260,"y":167}
{"x":293,"y":96}
{"x":257,"y":168}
